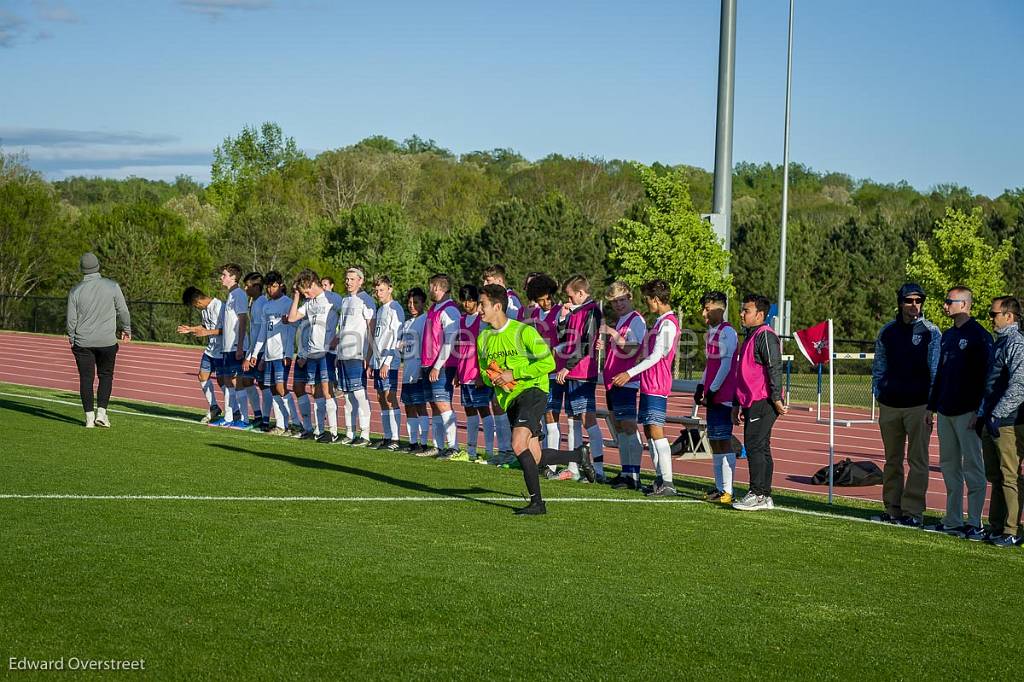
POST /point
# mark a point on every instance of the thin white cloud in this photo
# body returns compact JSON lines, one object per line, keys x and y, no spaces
{"x":216,"y":8}
{"x":60,"y":137}
{"x":55,"y":10}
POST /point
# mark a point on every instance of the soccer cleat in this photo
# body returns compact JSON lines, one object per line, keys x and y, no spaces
{"x":567,"y":475}
{"x":973,"y":533}
{"x":307,"y":435}
{"x":238,"y":425}
{"x":911,"y":522}
{"x":601,"y":479}
{"x":618,"y":482}
{"x":884,"y":517}
{"x":459,"y":456}
{"x":328,"y":437}
{"x":550,"y":475}
{"x":428,"y":451}
{"x":206,"y":418}
{"x":725,"y":498}
{"x":276,"y":431}
{"x":213,"y":415}
{"x":666,"y":490}
{"x":532,"y":509}
{"x":360,"y":442}
{"x":587,"y":463}
{"x":713,"y":495}
{"x":295,"y":429}
{"x":218,"y":422}
{"x":392,"y":446}
{"x":347,"y":440}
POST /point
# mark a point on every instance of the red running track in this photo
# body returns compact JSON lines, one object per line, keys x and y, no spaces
{"x":166,"y":374}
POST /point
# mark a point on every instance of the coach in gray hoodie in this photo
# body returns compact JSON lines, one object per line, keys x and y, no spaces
{"x":95,"y":309}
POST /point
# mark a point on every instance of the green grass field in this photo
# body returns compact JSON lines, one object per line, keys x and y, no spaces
{"x":437,"y":579}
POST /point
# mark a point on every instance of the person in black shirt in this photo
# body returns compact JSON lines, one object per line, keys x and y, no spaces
{"x":966,"y":351}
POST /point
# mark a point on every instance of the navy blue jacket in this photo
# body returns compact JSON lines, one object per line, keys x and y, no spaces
{"x":906,"y":360}
{"x":963,"y":367}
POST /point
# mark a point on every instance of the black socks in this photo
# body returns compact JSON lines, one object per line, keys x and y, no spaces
{"x":550,"y":457}
{"x":530,"y":474}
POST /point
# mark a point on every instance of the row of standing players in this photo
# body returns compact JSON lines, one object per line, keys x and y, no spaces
{"x":332,"y":344}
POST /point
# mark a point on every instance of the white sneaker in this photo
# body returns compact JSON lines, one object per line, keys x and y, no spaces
{"x":90,"y":420}
{"x":101,"y":418}
{"x":748,"y":503}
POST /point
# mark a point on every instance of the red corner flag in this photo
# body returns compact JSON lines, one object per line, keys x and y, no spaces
{"x":813,"y":343}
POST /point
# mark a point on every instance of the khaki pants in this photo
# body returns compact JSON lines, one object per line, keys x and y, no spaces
{"x":904,"y":435}
{"x":962,"y":462}
{"x":1002,"y":468}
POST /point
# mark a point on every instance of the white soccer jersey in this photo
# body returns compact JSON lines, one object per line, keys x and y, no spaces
{"x":238,"y":304}
{"x":356,"y":311}
{"x":635,"y":333}
{"x":514,"y":307}
{"x":335,"y":300}
{"x":410,"y":338}
{"x":256,"y":321}
{"x":318,"y":311}
{"x":388,"y":323}
{"x":211,"y":318}
{"x":276,"y":338}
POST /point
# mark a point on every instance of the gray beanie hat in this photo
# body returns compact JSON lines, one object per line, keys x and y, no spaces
{"x":89,"y":263}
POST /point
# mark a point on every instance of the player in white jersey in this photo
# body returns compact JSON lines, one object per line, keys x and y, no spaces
{"x":259,"y":395}
{"x":355,"y":326}
{"x":310,"y":427}
{"x":414,"y":391}
{"x":209,"y":312}
{"x":385,"y":361}
{"x":233,"y":323}
{"x":318,"y":309}
{"x":332,"y":323}
{"x":272,"y":349}
{"x":495,"y":274}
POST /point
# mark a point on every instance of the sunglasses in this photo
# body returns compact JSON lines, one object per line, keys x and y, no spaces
{"x":995,"y":313}
{"x":914,"y":301}
{"x":951,"y":301}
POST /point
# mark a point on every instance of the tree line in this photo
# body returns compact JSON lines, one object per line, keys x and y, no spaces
{"x":412,"y":208}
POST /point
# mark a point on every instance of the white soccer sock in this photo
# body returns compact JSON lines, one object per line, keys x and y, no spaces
{"x":664,"y":450}
{"x":363,"y":412}
{"x":307,"y":419}
{"x":489,"y":434}
{"x":438,"y":423}
{"x":472,"y":432}
{"x":321,"y":414}
{"x":597,"y":448}
{"x":574,"y":439}
{"x":636,"y":454}
{"x":268,"y":403}
{"x":350,"y":415}
{"x":242,"y":398}
{"x":253,"y":393}
{"x":552,"y":436}
{"x":396,"y":423}
{"x":211,"y":397}
{"x":451,"y":430}
{"x":332,"y":416}
{"x":412,"y":429}
{"x":424,"y":421}
{"x":229,"y":404}
{"x":503,"y":432}
{"x":281,"y":411}
{"x":728,"y":469}
{"x":293,"y":409}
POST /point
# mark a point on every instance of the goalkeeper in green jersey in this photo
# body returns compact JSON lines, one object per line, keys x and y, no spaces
{"x":516,"y":361}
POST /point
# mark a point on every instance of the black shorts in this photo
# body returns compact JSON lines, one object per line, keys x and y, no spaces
{"x":527,"y":410}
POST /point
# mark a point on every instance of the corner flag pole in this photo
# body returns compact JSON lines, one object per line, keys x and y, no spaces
{"x":831,"y":411}
{"x":783,"y":313}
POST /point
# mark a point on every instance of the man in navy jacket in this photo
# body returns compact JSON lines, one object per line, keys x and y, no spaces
{"x":906,"y":360}
{"x":956,"y":397}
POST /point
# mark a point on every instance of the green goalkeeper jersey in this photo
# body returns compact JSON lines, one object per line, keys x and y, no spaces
{"x":520,"y":348}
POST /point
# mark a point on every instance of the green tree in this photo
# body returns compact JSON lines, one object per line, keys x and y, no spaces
{"x":240,"y":161}
{"x":670,"y":242}
{"x":962,"y":256}
{"x":378,"y":239}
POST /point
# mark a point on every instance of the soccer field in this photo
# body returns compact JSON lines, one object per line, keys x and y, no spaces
{"x":215,"y":553}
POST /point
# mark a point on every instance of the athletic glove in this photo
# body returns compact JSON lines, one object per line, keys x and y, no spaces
{"x":698,"y":394}
{"x":709,"y":398}
{"x":993,"y":427}
{"x":494,"y":373}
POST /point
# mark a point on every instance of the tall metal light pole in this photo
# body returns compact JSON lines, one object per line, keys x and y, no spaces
{"x":783,"y":313}
{"x":721,"y":215}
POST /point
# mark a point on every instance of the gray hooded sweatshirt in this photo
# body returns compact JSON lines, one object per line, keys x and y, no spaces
{"x":95,"y":307}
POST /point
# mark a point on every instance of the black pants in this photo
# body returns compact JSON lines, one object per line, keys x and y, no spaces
{"x":91,"y":361}
{"x":758,"y":420}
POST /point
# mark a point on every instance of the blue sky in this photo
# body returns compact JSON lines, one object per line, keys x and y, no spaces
{"x":927,"y":91}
